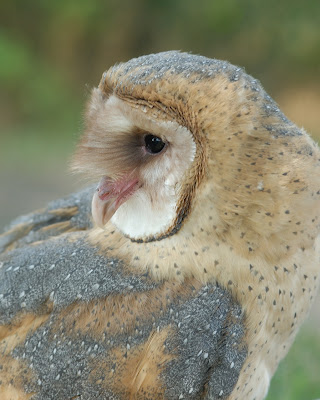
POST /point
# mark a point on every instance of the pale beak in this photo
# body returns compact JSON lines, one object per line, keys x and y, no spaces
{"x":109,"y":196}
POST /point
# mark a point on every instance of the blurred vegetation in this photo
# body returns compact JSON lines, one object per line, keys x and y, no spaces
{"x":298,"y":376}
{"x":50,"y":49}
{"x":53,"y":52}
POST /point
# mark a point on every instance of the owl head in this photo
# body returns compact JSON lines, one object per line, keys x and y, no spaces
{"x":172,"y":135}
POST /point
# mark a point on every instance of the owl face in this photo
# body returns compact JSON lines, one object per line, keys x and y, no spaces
{"x":142,"y":163}
{"x":178,"y":141}
{"x":149,"y":125}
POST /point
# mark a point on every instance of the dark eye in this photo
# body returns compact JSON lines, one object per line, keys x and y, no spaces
{"x":153,"y":144}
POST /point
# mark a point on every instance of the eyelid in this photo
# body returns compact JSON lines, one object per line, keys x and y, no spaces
{"x":164,"y":140}
{"x":152,"y":134}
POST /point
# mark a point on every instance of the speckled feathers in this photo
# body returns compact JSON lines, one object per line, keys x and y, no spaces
{"x":250,"y":198}
{"x":197,"y":286}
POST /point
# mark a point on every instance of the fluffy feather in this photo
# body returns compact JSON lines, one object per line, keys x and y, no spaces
{"x":198,"y":284}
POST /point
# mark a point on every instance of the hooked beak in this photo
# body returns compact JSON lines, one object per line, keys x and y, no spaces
{"x":110,"y":195}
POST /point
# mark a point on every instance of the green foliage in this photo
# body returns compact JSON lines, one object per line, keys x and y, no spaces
{"x":33,"y":91}
{"x":298,"y":376}
{"x":50,"y":49}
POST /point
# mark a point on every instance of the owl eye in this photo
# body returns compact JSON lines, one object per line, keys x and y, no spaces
{"x":153,"y":144}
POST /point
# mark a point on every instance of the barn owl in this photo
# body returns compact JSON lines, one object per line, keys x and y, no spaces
{"x":201,"y":258}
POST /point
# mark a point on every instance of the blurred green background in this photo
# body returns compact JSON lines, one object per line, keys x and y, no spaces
{"x":53,"y":52}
